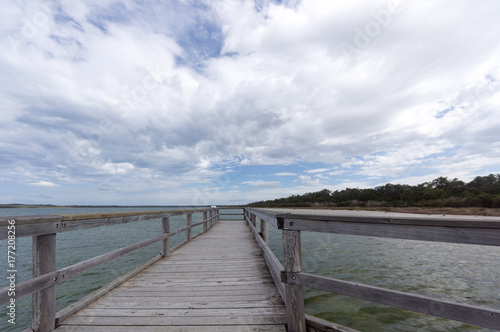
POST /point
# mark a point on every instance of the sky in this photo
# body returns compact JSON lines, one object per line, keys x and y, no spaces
{"x":203,"y":102}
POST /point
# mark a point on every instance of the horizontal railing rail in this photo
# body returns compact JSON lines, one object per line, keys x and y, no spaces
{"x":453,"y":229}
{"x":43,"y":229}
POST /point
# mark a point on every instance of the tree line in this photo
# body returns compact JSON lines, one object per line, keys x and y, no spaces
{"x":483,"y":191}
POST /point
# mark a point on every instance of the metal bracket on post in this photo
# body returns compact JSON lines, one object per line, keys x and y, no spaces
{"x":280,"y":222}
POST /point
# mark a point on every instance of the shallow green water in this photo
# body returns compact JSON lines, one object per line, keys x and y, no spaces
{"x":460,"y":273}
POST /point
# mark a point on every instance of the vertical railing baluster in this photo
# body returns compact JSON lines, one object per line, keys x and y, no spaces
{"x":188,"y":222}
{"x":205,"y":225}
{"x":264,"y":231}
{"x":165,"y":251}
{"x":44,"y":301}
{"x":293,"y":293}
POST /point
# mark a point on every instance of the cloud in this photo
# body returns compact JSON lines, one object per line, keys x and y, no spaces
{"x":139,"y":97}
{"x":263,"y":184}
{"x":43,"y":184}
{"x":317,"y":170}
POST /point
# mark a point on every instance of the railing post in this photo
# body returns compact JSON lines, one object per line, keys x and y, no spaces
{"x":293,"y":293}
{"x":205,"y":226}
{"x":188,"y":222}
{"x":264,"y":231}
{"x":165,"y":249}
{"x":44,"y":301}
{"x":210,"y":217}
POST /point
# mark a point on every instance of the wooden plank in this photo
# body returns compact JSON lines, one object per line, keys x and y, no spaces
{"x":205,"y":284}
{"x":187,"y":227}
{"x":38,"y":225}
{"x":202,"y":287}
{"x":264,"y":215}
{"x":161,"y":292}
{"x":204,"y":280}
{"x":172,"y":321}
{"x":272,"y":262}
{"x":231,"y":297}
{"x":466,"y":235}
{"x":165,"y":246}
{"x":293,"y":292}
{"x":188,"y":224}
{"x":44,"y":300}
{"x":390,"y":218}
{"x":68,"y":311}
{"x":264,"y":231}
{"x":270,"y":288}
{"x":139,"y":312}
{"x":152,"y":304}
{"x":52,"y":278}
{"x":190,"y":328}
{"x":483,"y":317}
{"x":208,"y":268}
{"x":320,"y":325}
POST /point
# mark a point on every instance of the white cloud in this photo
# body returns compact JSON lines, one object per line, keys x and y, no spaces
{"x":317,"y":170}
{"x":43,"y":184}
{"x":263,"y":184}
{"x":125,"y":95}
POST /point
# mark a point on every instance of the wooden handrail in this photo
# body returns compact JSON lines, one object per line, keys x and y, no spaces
{"x":44,"y":229}
{"x":454,"y":229}
{"x":39,"y":225}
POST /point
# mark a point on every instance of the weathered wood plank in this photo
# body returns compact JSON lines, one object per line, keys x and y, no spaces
{"x":153,"y":304}
{"x":44,"y":300}
{"x":196,"y":288}
{"x":52,"y":278}
{"x":160,"y":292}
{"x":73,"y":308}
{"x":200,"y":298}
{"x":190,"y":328}
{"x":205,"y":284}
{"x":452,"y":234}
{"x":158,"y":320}
{"x":293,"y":293}
{"x":264,"y":215}
{"x":165,"y":246}
{"x":139,"y":312}
{"x":483,"y":317}
{"x":315,"y":324}
{"x":201,"y":287}
{"x":38,"y":225}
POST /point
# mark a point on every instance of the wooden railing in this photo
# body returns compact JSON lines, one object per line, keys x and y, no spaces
{"x":43,"y":230}
{"x":290,"y":278}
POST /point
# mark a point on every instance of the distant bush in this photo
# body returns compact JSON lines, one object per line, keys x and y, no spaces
{"x":483,"y":191}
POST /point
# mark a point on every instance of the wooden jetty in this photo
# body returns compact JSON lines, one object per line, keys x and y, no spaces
{"x":226,"y":278}
{"x":219,"y":282}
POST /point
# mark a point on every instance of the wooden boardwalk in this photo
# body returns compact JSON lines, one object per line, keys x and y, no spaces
{"x":217,"y":282}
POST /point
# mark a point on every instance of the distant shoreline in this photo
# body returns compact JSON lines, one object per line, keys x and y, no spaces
{"x":41,"y":206}
{"x":473,"y":211}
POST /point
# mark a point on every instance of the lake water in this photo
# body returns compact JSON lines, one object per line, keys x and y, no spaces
{"x":460,"y":273}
